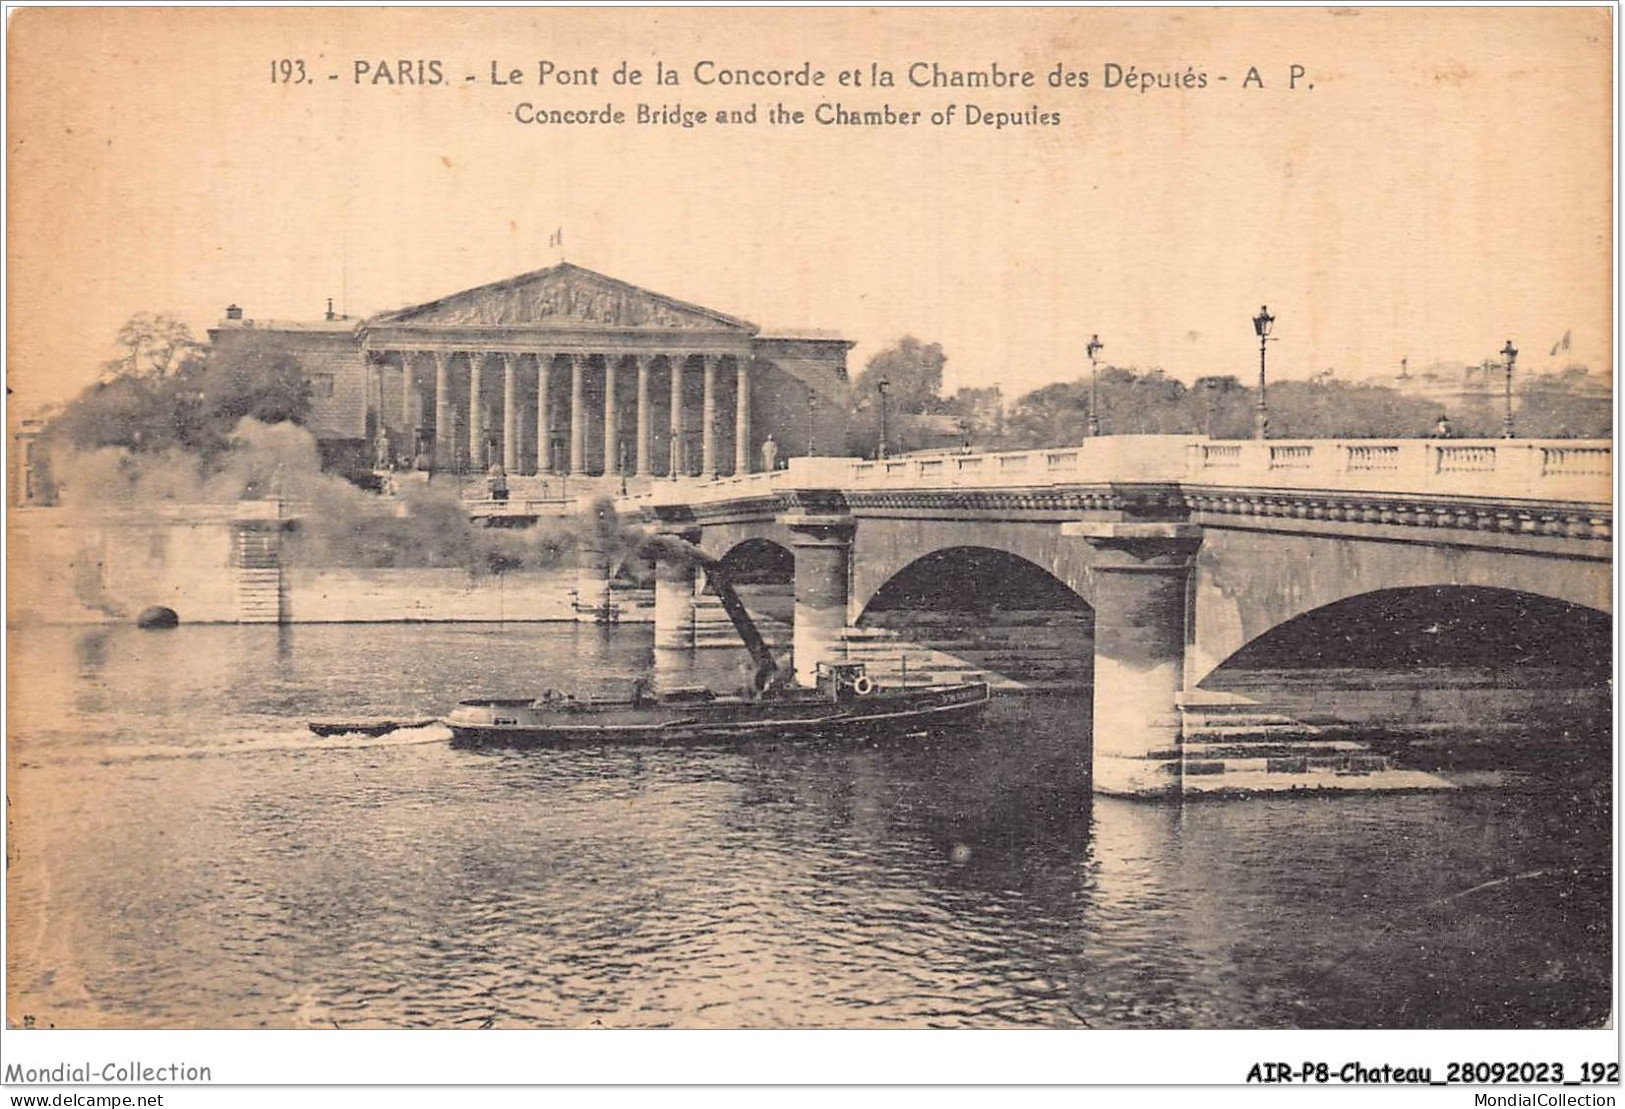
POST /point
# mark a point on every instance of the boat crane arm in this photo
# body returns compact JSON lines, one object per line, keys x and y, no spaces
{"x":768,"y":673}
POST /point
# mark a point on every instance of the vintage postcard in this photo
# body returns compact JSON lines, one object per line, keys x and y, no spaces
{"x":830,"y":518}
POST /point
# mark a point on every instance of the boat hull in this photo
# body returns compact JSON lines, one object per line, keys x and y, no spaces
{"x":516,"y":724}
{"x":372,"y":728}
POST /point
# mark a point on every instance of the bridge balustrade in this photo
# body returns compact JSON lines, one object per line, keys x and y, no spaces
{"x":1567,"y":470}
{"x":1576,"y":470}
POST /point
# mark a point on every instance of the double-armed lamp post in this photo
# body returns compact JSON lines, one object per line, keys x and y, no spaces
{"x":1262,"y":323}
{"x":1510,"y":353}
{"x":1094,"y":348}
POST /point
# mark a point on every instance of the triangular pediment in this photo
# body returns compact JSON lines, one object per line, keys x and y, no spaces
{"x":566,"y":297}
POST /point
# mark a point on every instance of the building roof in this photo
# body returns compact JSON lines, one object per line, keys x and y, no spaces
{"x":334,"y":326}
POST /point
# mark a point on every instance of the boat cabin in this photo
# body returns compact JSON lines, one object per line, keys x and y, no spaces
{"x":842,"y":681}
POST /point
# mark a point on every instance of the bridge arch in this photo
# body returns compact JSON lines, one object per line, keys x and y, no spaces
{"x":1426,"y":626}
{"x":1438,"y":657}
{"x":973,"y":610}
{"x":760,"y":561}
{"x":1247,"y":584}
{"x":886,"y":547}
{"x":717,"y":540}
{"x":971,"y":579}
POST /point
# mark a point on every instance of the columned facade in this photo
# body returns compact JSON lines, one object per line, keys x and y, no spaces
{"x":630,"y":359}
{"x":643,"y":444}
{"x":510,"y":412}
{"x":674,"y":367}
{"x":460,"y":387}
{"x":442,"y":408}
{"x":741,"y":414}
{"x":708,"y":419}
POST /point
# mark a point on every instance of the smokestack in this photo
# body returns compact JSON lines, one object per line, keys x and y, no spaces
{"x":330,"y":314}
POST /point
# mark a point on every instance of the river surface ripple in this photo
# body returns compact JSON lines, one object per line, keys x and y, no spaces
{"x":185,"y":854}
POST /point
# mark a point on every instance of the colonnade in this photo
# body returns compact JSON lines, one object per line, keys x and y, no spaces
{"x":576,"y":428}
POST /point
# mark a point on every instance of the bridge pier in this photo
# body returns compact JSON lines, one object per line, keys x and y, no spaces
{"x":592,"y":579}
{"x":823,"y":582}
{"x":675,"y":587}
{"x":1141,"y":576}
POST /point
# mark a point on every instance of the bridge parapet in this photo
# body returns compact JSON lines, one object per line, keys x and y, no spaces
{"x":1578,"y":470}
{"x":1572,"y":470}
{"x":1113,"y":458}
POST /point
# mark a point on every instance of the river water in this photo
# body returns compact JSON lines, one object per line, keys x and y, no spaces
{"x":184,"y":854}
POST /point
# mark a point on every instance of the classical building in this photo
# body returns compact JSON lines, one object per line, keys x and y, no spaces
{"x":562,"y":371}
{"x":1459,"y":386}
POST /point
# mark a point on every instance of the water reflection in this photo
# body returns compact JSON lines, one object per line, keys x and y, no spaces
{"x":188,"y":855}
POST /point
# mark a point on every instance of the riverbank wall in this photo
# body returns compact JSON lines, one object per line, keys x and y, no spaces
{"x":227,"y":564}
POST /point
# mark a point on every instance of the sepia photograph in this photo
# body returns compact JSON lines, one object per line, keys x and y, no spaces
{"x":1090,"y":519}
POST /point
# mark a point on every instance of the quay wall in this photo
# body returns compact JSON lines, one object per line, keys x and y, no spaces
{"x":219,"y":564}
{"x":65,"y":567}
{"x":340,"y":596}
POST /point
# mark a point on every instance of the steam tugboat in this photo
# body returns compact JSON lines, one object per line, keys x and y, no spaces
{"x":845,"y":703}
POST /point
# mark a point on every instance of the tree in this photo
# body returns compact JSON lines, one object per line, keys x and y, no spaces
{"x":128,"y":412}
{"x":981,"y":414}
{"x":1148,"y":403}
{"x":154,"y":343}
{"x":1221,"y":407}
{"x":912,"y":371}
{"x":1557,"y":407}
{"x":261,"y":381}
{"x":192,"y":405}
{"x":1053,"y":416}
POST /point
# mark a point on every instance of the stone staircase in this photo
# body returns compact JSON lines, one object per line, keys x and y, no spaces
{"x":892,"y":660}
{"x":1234,"y":745}
{"x":1030,"y":653}
{"x":712,"y":628}
{"x":257,"y":558}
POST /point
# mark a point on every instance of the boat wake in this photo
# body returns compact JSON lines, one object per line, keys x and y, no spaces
{"x":256,"y":743}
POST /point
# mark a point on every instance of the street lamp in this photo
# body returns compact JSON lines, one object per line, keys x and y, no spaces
{"x":1510,"y":353}
{"x":1094,"y":348}
{"x":812,"y":421}
{"x":881,"y":386}
{"x":1261,"y":419}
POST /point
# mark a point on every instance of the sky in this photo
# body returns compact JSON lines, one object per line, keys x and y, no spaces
{"x":1443,"y":186}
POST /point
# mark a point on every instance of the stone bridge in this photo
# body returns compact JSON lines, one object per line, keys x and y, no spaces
{"x":1186,"y":549}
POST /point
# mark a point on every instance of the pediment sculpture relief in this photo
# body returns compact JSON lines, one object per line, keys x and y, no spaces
{"x":561,"y":301}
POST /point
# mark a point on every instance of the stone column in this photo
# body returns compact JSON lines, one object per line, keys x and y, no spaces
{"x":708,"y":418}
{"x":476,"y":363}
{"x":407,"y":443}
{"x":674,"y":600}
{"x":578,"y":413}
{"x":612,"y":431}
{"x":676,"y":361}
{"x":443,"y":446}
{"x":592,"y":577}
{"x":1141,"y":571}
{"x":741,"y":415}
{"x":510,"y":413}
{"x":544,"y":414}
{"x":823,"y":549}
{"x":643,"y":461}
